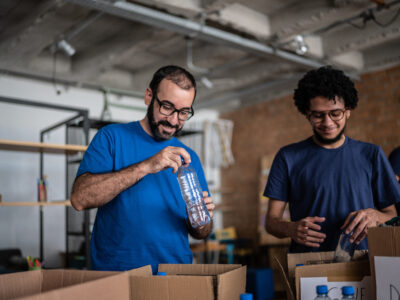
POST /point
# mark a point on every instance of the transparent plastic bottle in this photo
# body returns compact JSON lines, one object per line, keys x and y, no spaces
{"x":344,"y":249}
{"x":192,"y":194}
{"x":322,"y":292}
{"x":246,"y":296}
{"x":348,"y":292}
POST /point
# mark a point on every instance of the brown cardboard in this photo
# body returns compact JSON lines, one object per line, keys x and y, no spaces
{"x":64,"y":284}
{"x":205,"y":282}
{"x":382,"y":241}
{"x":320,"y":264}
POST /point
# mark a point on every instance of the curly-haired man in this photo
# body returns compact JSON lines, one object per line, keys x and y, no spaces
{"x":331,"y":182}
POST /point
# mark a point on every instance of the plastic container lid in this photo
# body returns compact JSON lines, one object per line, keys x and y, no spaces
{"x":161,"y":273}
{"x":347,"y":290}
{"x":322,"y":289}
{"x":246,"y":296}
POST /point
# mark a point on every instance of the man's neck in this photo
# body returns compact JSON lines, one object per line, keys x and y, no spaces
{"x":334,"y":145}
{"x":145,"y":125}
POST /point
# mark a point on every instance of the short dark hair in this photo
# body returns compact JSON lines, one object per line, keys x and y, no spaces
{"x":177,"y":75}
{"x":325,"y":82}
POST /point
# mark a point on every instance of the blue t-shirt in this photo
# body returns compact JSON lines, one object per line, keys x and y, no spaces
{"x":331,"y":183}
{"x":146,"y":223}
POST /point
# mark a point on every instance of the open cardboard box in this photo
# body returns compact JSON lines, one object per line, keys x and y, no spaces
{"x":382,"y":241}
{"x":64,"y":284}
{"x":319,"y":264}
{"x":185,"y":281}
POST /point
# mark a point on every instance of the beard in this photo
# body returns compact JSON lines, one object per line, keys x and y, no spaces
{"x":325,"y":141}
{"x":154,"y":126}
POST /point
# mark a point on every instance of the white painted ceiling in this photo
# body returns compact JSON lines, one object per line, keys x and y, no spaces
{"x":241,"y":52}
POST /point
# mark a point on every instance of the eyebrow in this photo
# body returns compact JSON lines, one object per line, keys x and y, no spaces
{"x":170,"y":103}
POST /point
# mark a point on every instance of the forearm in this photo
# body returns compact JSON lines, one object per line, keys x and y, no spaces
{"x":95,"y":190}
{"x":278,"y":227}
{"x":200,"y":232}
{"x":386,"y":214}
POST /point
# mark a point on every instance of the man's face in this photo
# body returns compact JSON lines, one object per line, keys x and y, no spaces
{"x":328,"y":119}
{"x":165,"y":127}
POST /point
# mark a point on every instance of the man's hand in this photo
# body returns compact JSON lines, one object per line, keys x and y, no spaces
{"x":306,"y":231}
{"x":209,"y":203}
{"x":359,"y":221}
{"x":169,"y":157}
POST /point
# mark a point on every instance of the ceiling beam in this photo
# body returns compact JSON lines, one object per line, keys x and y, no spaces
{"x":187,"y":27}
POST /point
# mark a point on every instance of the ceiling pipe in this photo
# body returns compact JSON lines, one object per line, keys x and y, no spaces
{"x":188,"y":27}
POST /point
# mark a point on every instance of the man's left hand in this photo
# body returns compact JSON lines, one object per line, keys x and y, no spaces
{"x":359,"y":221}
{"x":209,"y":203}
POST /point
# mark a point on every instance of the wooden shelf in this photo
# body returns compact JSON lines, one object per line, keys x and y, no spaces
{"x":50,"y":203}
{"x":41,"y":147}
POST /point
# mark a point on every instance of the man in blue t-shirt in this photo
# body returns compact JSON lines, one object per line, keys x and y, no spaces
{"x":330,"y":181}
{"x":129,"y":173}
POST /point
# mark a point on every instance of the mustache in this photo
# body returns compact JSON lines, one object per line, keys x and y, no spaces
{"x":168,"y":124}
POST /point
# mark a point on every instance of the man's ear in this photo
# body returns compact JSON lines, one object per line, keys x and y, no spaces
{"x":148,"y":95}
{"x":347,"y":114}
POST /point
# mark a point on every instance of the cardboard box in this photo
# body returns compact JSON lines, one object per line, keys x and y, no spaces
{"x":319,"y":264}
{"x":382,"y":241}
{"x":185,"y":281}
{"x":64,"y":284}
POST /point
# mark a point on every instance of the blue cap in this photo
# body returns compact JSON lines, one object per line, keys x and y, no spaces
{"x":246,"y":296}
{"x":161,"y":273}
{"x":347,"y":290}
{"x":322,"y":289}
{"x":299,"y":265}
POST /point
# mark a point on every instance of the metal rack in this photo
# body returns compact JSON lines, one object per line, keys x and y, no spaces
{"x":81,"y":114}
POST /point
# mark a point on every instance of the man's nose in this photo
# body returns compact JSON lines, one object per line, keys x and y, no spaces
{"x":326,"y":119}
{"x":173,"y":119}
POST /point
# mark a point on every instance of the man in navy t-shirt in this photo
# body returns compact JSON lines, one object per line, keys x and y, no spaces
{"x":394,"y":159}
{"x":129,"y":173}
{"x":330,"y":181}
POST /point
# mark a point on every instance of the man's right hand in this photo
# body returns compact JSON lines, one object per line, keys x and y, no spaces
{"x":169,"y":157}
{"x":306,"y":231}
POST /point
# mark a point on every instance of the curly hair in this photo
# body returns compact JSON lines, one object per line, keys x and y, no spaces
{"x":325,"y":82}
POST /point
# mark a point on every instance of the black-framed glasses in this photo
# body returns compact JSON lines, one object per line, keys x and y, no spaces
{"x":167,"y":109}
{"x":334,"y":115}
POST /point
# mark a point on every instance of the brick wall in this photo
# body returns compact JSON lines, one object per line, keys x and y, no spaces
{"x":264,"y":128}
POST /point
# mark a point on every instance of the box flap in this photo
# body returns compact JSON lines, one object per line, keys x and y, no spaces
{"x":196,"y":269}
{"x":112,"y":287}
{"x":172,"y":287}
{"x":55,"y":279}
{"x":347,"y":271}
{"x":19,"y":284}
{"x":382,"y":241}
{"x":142,"y":271}
{"x":288,"y":287}
{"x":231,"y":284}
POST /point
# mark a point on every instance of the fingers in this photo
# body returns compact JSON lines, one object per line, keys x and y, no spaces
{"x":169,"y":157}
{"x":307,"y":232}
{"x":209,"y":203}
{"x":347,"y":221}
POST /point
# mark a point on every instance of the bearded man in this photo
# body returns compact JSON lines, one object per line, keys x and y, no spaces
{"x":330,"y":181}
{"x":128,"y":173}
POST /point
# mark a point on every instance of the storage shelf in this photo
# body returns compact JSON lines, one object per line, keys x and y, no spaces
{"x":50,"y":203}
{"x":41,"y":147}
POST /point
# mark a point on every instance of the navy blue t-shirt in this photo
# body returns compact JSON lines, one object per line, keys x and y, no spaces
{"x":331,"y":183}
{"x":146,"y":223}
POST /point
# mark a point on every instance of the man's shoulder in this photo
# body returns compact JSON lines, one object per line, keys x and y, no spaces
{"x":298,"y":146}
{"x":363,"y":146}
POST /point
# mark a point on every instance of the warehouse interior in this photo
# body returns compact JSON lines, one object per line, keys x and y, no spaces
{"x":96,"y":57}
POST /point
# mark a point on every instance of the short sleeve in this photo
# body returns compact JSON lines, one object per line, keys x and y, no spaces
{"x":386,"y":189}
{"x":277,"y":185}
{"x":99,"y":157}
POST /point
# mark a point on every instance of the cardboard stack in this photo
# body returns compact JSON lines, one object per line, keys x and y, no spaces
{"x":189,"y":282}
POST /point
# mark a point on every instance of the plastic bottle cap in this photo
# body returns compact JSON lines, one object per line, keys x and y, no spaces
{"x":299,"y":265}
{"x":347,"y":290}
{"x":322,"y":289}
{"x":246,"y":296}
{"x":161,"y":273}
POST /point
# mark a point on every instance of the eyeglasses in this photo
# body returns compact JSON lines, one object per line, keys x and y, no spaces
{"x":167,"y":109}
{"x":318,"y":116}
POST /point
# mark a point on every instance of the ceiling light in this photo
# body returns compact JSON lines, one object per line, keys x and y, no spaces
{"x":66,"y":47}
{"x":301,"y":46}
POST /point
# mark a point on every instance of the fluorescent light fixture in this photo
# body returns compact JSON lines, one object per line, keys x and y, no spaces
{"x":66,"y":47}
{"x":301,"y":46}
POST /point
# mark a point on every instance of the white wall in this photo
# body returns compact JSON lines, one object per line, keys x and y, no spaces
{"x":19,"y":226}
